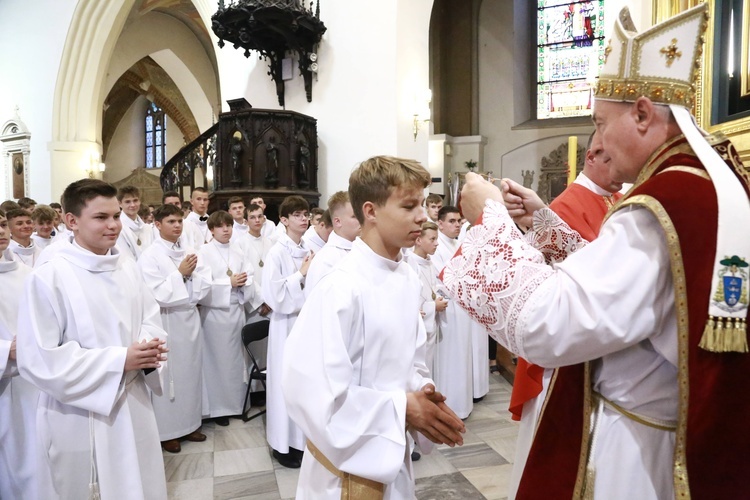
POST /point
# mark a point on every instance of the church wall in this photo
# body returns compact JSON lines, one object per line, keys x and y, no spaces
{"x":32,"y":49}
{"x":370,"y":68}
{"x":171,"y":44}
{"x":127,"y":149}
{"x":513,"y":147}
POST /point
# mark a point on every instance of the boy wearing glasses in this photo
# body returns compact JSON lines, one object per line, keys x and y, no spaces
{"x":283,"y":286}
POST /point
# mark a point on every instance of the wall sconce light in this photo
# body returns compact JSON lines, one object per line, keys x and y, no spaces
{"x":422,"y":112}
{"x":92,"y":166}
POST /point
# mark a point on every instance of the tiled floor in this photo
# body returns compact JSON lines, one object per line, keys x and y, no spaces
{"x":235,"y":463}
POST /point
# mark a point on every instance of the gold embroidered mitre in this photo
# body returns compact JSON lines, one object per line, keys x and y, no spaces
{"x":662,"y":63}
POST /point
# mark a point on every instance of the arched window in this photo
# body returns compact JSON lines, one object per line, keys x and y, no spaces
{"x":156,"y":137}
{"x":570,"y":51}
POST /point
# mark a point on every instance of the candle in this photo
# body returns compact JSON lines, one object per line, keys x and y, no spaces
{"x":572,"y":158}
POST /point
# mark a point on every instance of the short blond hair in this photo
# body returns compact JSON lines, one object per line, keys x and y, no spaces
{"x":428,"y":226}
{"x":375,"y":179}
{"x":337,"y":201}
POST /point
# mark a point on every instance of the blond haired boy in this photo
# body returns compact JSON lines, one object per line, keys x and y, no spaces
{"x":432,"y":297}
{"x":345,"y":229}
{"x":354,"y":377}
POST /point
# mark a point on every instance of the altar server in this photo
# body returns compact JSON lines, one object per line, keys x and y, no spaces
{"x":89,"y":336}
{"x":179,"y":280}
{"x":222,"y":317}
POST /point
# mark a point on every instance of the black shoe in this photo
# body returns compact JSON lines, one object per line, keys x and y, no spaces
{"x":298,"y":454}
{"x":222,"y":421}
{"x":287,"y":460}
{"x":476,"y":400}
{"x":415,"y":456}
{"x":258,"y":398}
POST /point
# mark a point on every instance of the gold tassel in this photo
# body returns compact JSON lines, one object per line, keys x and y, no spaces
{"x":728,"y":335}
{"x":724,"y":335}
{"x":708,"y":341}
{"x":740,"y":336}
{"x":737,"y":334}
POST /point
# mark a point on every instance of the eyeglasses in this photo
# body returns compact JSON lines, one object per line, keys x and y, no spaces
{"x":300,"y":215}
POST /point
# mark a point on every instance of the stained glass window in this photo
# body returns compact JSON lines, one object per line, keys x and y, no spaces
{"x":156,"y":136}
{"x":570,"y":51}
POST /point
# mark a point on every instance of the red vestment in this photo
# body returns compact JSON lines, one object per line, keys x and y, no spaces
{"x":583,"y":210}
{"x":712,"y":444}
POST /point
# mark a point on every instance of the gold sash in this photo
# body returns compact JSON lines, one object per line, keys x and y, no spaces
{"x":352,"y":487}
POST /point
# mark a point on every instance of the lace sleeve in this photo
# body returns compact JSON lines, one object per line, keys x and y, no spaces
{"x":494,"y":273}
{"x":553,"y":237}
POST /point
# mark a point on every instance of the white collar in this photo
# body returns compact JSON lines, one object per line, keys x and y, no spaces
{"x":591,"y":185}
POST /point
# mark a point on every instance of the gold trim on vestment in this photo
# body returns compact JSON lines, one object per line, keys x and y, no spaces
{"x":687,"y":170}
{"x":652,"y":164}
{"x":588,"y":409}
{"x":680,"y":474}
{"x":547,"y":396}
{"x":352,"y":487}
{"x":635,"y":417}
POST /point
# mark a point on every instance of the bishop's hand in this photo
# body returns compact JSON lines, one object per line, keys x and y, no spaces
{"x":475,"y":193}
{"x":521,"y":202}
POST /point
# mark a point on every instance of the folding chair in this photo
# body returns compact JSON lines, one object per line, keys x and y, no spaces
{"x":254,"y":331}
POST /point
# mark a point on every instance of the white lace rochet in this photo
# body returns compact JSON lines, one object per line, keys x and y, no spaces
{"x":498,"y":269}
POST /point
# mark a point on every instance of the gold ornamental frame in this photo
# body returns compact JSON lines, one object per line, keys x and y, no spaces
{"x":737,"y":130}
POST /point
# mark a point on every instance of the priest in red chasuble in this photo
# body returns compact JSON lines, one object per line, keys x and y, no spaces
{"x":656,"y":307}
{"x":582,"y":206}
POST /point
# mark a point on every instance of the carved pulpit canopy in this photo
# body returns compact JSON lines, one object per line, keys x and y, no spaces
{"x":274,"y":28}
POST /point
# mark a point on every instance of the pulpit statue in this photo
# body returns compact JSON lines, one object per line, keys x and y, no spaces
{"x":236,"y":149}
{"x":304,"y":164}
{"x":272,"y":163}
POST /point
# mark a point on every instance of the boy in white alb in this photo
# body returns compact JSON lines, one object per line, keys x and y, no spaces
{"x":269,"y":229}
{"x":59,"y":224}
{"x":317,"y":234}
{"x":354,"y":376}
{"x":21,"y":227}
{"x":18,"y":397}
{"x":432,"y":206}
{"x":236,"y":208}
{"x":179,"y":280}
{"x":43,"y":218}
{"x":196,"y":222}
{"x":175,"y":198}
{"x":432,"y":301}
{"x":283,"y":290}
{"x":256,"y":247}
{"x":222,"y":317}
{"x":89,"y":336}
{"x":455,"y":362}
{"x":345,"y":230}
{"x":136,"y":235}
